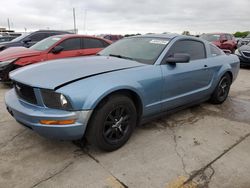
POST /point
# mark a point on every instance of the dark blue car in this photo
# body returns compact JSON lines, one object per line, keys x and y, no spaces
{"x":104,"y":97}
{"x":27,"y":40}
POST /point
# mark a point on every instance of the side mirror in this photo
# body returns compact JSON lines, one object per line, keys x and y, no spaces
{"x":27,"y":40}
{"x":222,"y":40}
{"x":178,"y":58}
{"x":57,"y":49}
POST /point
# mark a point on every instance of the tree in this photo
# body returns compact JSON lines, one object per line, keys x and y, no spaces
{"x":241,"y":34}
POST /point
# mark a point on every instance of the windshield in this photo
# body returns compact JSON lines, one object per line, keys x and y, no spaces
{"x":20,"y":37}
{"x":142,"y":49}
{"x":248,"y":36}
{"x":46,"y":43}
{"x":210,"y":37}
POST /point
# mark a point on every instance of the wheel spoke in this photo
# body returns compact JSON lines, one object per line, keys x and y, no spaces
{"x":117,"y":113}
{"x":125,"y":118}
{"x":117,"y":134}
{"x":120,"y":130}
{"x":107,"y":133}
{"x":122,"y":111}
{"x":108,"y":123}
{"x":111,"y":117}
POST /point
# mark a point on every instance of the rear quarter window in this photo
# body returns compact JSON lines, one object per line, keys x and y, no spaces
{"x":94,"y":43}
{"x":38,"y":37}
{"x":215,"y":51}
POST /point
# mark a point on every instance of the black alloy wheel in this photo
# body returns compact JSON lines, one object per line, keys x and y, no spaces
{"x":116,"y":124}
{"x":222,"y":90}
{"x":112,"y":123}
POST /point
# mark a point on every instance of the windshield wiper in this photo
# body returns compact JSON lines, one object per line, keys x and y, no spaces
{"x":120,"y":56}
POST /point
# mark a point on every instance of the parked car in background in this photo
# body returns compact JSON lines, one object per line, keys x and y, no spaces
{"x":6,"y":39}
{"x":55,"y":47}
{"x":244,"y":41}
{"x":243,"y":53}
{"x":104,"y":97}
{"x":113,"y":38}
{"x":27,"y":40}
{"x":224,"y":41}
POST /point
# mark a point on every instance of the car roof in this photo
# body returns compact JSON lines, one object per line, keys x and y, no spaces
{"x":217,"y":33}
{"x":166,"y":36}
{"x":75,"y":35}
{"x":56,"y":31}
{"x":169,"y":36}
{"x":66,"y":36}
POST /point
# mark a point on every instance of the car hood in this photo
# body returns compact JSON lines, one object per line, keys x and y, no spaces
{"x":17,"y":52}
{"x":56,"y":73}
{"x":244,"y":48}
{"x":245,"y":39}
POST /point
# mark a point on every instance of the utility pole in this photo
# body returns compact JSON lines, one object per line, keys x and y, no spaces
{"x":84,"y":20}
{"x":74,"y":17}
{"x":8,"y":20}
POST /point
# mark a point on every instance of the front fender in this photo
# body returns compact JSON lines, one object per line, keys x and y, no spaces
{"x":85,"y":94}
{"x":97,"y":95}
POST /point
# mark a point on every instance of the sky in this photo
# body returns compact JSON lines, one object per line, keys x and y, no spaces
{"x":127,"y":16}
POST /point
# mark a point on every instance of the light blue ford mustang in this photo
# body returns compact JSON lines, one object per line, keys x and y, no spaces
{"x":102,"y":98}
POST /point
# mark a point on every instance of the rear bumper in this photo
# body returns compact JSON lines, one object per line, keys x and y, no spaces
{"x":30,"y":116}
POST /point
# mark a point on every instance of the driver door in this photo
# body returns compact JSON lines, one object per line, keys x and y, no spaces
{"x":185,"y":83}
{"x":71,"y":48}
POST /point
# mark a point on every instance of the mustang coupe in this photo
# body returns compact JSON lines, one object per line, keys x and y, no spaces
{"x":102,"y":98}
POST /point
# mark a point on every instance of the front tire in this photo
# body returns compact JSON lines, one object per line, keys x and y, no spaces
{"x":112,"y":123}
{"x":221,"y":91}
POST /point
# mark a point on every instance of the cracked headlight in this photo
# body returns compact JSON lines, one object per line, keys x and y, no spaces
{"x":52,"y":99}
{"x":5,"y":63}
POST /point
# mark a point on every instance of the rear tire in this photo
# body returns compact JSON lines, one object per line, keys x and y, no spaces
{"x":112,"y":123}
{"x":221,"y":91}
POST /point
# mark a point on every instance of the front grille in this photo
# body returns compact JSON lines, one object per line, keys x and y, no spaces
{"x":247,"y":54}
{"x":25,"y":92}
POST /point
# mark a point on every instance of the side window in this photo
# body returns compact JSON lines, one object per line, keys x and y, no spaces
{"x":71,"y":44}
{"x":50,"y":34}
{"x":195,"y":49}
{"x":108,"y":37}
{"x":228,"y":37}
{"x":214,"y":50}
{"x":38,"y":37}
{"x":223,"y":37}
{"x":93,"y":43}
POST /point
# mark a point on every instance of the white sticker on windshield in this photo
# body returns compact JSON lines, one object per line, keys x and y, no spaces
{"x":56,"y":39}
{"x":163,"y":42}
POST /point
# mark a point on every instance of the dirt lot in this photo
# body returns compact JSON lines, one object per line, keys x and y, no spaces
{"x":204,"y":146}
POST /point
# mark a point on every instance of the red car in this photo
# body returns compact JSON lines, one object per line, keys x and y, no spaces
{"x":55,"y":47}
{"x":113,"y":38}
{"x":225,"y":41}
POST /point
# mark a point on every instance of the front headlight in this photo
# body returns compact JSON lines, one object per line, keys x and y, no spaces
{"x":52,"y":99}
{"x":237,"y":52}
{"x":5,"y":63}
